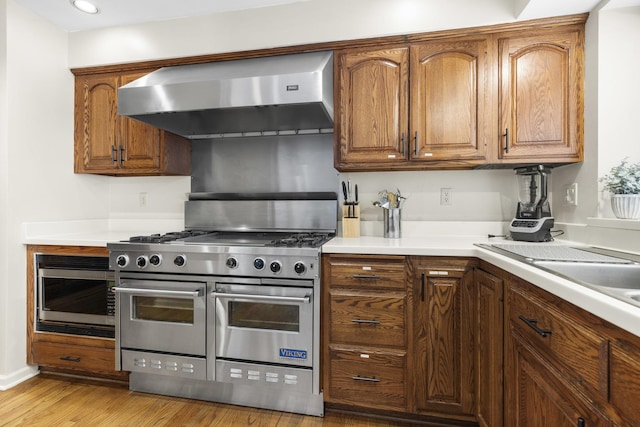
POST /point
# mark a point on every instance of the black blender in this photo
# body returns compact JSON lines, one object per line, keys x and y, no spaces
{"x":533,"y":219}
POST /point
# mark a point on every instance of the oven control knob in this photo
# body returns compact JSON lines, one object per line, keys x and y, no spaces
{"x":142,"y":261}
{"x":275,"y":266}
{"x":258,"y":263}
{"x":122,"y":260}
{"x":299,"y":267}
{"x":155,"y":259}
{"x":180,"y":260}
{"x":232,"y":262}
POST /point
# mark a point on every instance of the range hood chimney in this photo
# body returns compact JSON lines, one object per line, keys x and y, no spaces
{"x":263,"y":96}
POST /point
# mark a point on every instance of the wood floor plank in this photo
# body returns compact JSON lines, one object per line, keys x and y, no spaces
{"x":52,"y":401}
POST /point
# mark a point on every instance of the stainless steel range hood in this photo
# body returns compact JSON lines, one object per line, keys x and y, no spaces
{"x":268,"y":95}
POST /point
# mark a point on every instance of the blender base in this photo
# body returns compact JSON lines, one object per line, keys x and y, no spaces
{"x":531,"y":230}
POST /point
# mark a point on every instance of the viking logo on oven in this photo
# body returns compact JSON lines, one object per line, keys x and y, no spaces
{"x":293,"y":354}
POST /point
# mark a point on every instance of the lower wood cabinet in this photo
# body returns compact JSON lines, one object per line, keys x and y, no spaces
{"x":542,"y":399}
{"x":489,"y":351}
{"x":365,"y":301}
{"x":443,"y":335}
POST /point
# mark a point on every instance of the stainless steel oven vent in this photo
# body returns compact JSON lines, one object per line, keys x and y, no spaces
{"x":267,"y":95}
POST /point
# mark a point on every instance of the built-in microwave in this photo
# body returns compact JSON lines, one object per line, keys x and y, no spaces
{"x":74,"y":295}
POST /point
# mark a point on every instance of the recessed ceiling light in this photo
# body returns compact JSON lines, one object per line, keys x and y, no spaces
{"x":85,"y":6}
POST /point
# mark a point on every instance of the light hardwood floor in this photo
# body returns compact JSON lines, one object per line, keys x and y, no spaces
{"x":54,"y":401}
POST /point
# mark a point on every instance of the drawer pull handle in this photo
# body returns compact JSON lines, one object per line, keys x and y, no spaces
{"x":372,"y":322}
{"x":70,"y":359}
{"x":365,"y":276}
{"x":533,"y":324}
{"x":371,"y":380}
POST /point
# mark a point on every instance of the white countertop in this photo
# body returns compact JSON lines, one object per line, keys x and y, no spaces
{"x":619,"y":313}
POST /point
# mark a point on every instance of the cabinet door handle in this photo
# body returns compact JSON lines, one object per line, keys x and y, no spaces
{"x":416,"y":143}
{"x":120,"y":155}
{"x":533,"y":324}
{"x":422,"y":288}
{"x":371,"y":380}
{"x":506,"y":140}
{"x":371,"y":322}
{"x":365,"y":276}
{"x":113,"y":154}
{"x":581,"y":422}
{"x":70,"y":359}
{"x":402,"y":142}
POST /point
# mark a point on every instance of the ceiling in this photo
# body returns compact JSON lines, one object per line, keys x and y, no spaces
{"x":127,"y":12}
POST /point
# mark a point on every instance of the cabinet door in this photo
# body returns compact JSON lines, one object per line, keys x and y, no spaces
{"x":140,"y":142}
{"x":541,"y":400}
{"x":444,"y":341}
{"x":372,"y":107}
{"x":96,"y":130}
{"x":489,"y":351}
{"x":540,"y":97}
{"x":449,"y":96}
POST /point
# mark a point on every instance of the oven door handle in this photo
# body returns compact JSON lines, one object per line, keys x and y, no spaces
{"x":304,"y":300}
{"x":159,"y":292}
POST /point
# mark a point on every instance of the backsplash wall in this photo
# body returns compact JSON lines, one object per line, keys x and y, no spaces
{"x":477,"y":195}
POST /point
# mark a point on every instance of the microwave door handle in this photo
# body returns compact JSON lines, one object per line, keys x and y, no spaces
{"x":304,"y":300}
{"x":159,"y":292}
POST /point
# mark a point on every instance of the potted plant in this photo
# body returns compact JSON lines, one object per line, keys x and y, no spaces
{"x":623,"y":182}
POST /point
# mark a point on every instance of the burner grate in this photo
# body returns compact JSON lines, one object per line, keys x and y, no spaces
{"x":167,"y":237}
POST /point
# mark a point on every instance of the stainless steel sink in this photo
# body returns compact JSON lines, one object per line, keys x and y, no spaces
{"x":616,"y":274}
{"x":621,"y":276}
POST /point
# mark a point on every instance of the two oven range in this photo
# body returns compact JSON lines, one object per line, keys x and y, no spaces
{"x":232,"y":317}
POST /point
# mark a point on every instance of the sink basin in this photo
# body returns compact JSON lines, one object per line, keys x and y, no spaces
{"x":620,"y":276}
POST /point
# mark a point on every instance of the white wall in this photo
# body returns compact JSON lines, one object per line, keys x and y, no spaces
{"x":36,"y":161}
{"x":612,"y":90}
{"x":299,"y":23}
{"x":4,"y":179}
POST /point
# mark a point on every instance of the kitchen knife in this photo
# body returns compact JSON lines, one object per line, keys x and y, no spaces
{"x":356,"y":194}
{"x":344,"y":191}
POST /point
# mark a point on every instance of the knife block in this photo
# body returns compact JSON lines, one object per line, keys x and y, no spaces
{"x":351,"y":226}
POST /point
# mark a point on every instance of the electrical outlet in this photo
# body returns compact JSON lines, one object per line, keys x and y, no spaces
{"x":142,"y":199}
{"x":570,"y":195}
{"x":445,"y":197}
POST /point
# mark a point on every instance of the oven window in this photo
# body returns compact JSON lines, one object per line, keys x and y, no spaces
{"x":279,"y":317}
{"x":163,"y":309}
{"x":75,"y":295}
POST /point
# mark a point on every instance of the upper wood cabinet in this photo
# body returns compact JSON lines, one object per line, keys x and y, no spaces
{"x":108,"y":144}
{"x":497,"y":98}
{"x":540,"y":78}
{"x":442,"y":84}
{"x":372,"y":125}
{"x":449,"y":101}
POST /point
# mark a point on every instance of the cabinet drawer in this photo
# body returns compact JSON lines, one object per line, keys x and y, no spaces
{"x":366,"y":319}
{"x":368,"y":273}
{"x":374,"y":379}
{"x":579,"y":354}
{"x":75,"y":357}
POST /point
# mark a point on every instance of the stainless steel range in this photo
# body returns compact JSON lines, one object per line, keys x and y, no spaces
{"x":227,"y":316}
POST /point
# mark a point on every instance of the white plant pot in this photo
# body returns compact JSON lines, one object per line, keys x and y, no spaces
{"x":626,"y":206}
